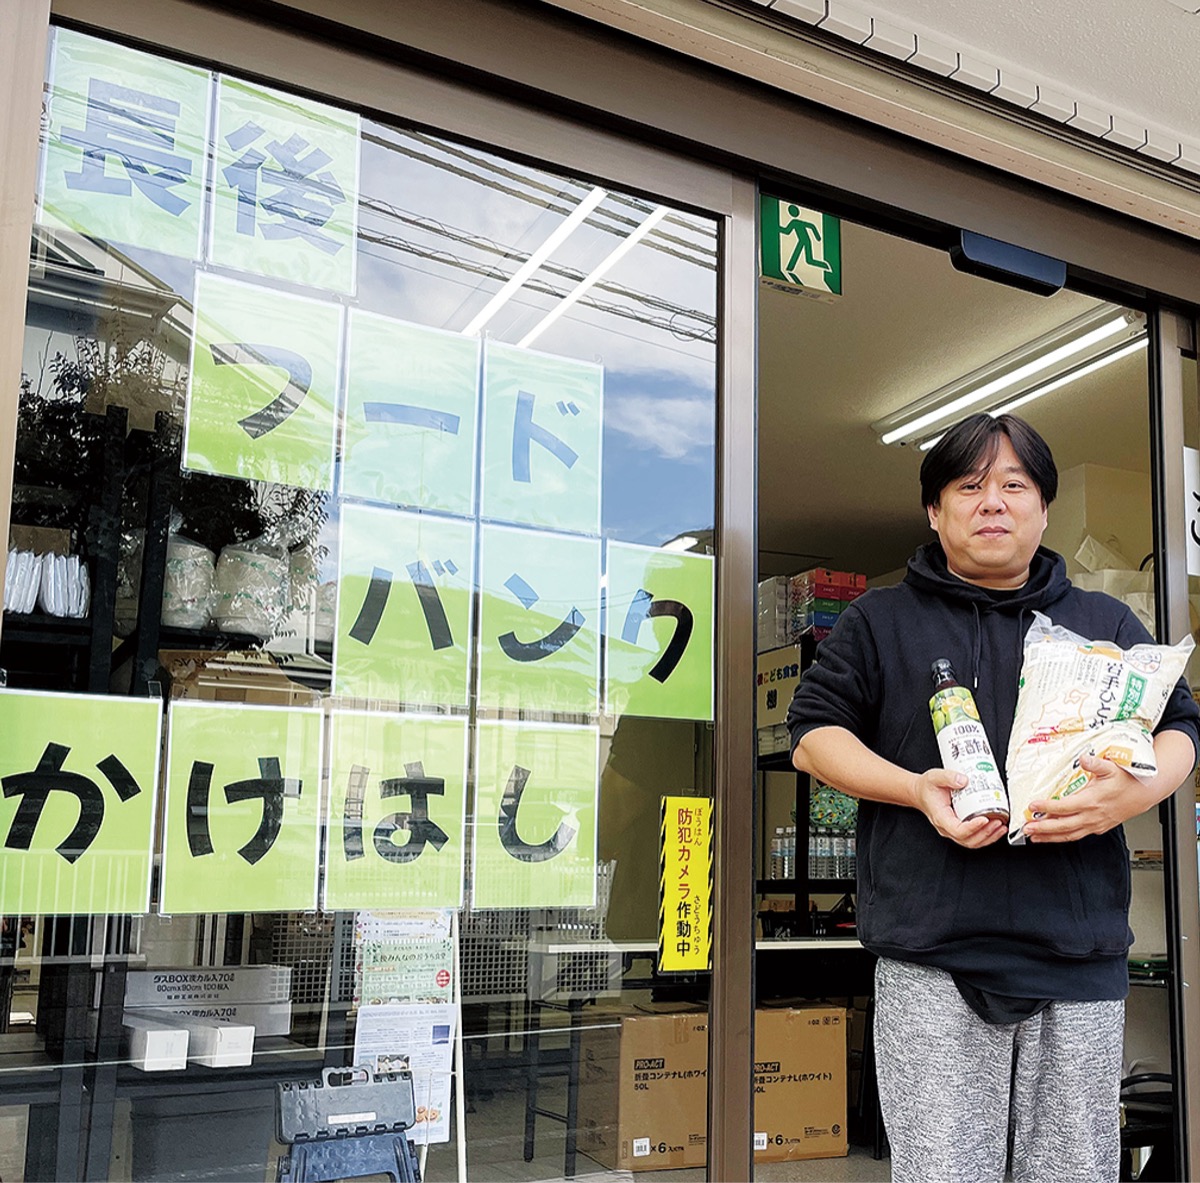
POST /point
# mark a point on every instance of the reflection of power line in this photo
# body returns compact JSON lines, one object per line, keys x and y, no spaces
{"x":554,"y":200}
{"x":674,"y":323}
{"x":464,"y":238}
{"x":489,"y":162}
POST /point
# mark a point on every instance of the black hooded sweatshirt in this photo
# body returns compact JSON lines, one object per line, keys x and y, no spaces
{"x":1040,"y":921}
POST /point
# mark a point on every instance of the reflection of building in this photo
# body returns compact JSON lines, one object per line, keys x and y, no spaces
{"x":524,"y":124}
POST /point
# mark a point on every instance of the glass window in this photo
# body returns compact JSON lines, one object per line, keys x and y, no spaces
{"x":359,"y":626}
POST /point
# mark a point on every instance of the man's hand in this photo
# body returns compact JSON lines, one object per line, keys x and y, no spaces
{"x":931,"y":795}
{"x":1112,"y":797}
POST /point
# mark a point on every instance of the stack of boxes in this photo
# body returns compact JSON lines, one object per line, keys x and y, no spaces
{"x":816,"y":598}
{"x":790,"y":606}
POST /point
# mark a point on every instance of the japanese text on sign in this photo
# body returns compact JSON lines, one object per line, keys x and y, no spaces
{"x":685,"y":885}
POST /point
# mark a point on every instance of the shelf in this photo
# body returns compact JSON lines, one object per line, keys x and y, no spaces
{"x":788,"y":886}
{"x":775,"y":762}
{"x":40,"y":627}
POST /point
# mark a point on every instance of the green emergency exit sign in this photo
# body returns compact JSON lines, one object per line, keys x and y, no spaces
{"x":800,"y":248}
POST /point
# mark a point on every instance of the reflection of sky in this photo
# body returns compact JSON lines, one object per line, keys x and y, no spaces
{"x":447,"y":207}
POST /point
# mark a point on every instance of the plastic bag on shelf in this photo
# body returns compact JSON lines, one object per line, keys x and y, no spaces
{"x":22,"y":579}
{"x":251,"y":587}
{"x":187,"y":582}
{"x":65,"y":588}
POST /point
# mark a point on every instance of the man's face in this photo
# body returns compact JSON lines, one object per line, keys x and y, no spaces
{"x":991,"y":523}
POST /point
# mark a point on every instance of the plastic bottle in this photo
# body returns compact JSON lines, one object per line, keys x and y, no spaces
{"x":839,"y":854}
{"x":812,"y":852}
{"x":777,"y":854}
{"x":851,"y":855}
{"x":789,"y":855}
{"x":965,"y":748}
{"x":824,"y":854}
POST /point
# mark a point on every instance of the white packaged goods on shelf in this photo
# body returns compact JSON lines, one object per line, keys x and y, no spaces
{"x":1081,"y":697}
{"x":152,"y":1045}
{"x":187,"y":584}
{"x":251,"y":589}
{"x":212,"y":1042}
{"x":22,"y":579}
{"x":65,"y":588}
{"x":216,"y":985}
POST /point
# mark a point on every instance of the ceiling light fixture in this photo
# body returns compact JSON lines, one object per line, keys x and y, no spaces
{"x":652,"y":219}
{"x":1085,"y":339}
{"x":1056,"y":383}
{"x":522,"y":273}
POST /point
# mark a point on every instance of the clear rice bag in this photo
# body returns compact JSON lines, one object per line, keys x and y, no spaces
{"x":1081,"y":697}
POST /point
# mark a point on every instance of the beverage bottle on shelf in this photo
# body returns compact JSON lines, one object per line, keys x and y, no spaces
{"x":839,"y":854}
{"x":851,"y":855}
{"x":824,"y":854}
{"x":964,"y":746}
{"x":777,"y":854}
{"x":812,"y":852}
{"x":788,"y":857}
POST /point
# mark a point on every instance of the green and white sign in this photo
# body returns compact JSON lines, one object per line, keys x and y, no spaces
{"x":125,"y":142}
{"x":80,"y":779}
{"x":801,"y":248}
{"x":659,"y":640}
{"x":285,"y":187}
{"x":243,"y":809}
{"x":404,"y":607}
{"x":535,"y":815}
{"x":262,"y":391}
{"x":396,"y":835}
{"x":542,"y":426}
{"x":539,"y":628}
{"x":411,"y":398}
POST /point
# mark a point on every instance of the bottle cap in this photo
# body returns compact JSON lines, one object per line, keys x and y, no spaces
{"x":941,"y":670}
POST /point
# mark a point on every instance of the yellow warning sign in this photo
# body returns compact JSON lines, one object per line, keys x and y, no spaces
{"x":685,"y":886}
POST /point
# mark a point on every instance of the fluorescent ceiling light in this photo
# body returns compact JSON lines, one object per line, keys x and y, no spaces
{"x":1082,"y":339}
{"x":1056,"y":383}
{"x":683,"y":542}
{"x":522,"y":273}
{"x":651,"y":220}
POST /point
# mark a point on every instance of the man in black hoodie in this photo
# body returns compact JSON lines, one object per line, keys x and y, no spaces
{"x":990,"y":955}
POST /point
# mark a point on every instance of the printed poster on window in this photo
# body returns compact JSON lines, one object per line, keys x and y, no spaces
{"x":125,"y":145}
{"x":539,"y":645}
{"x":242,"y":808}
{"x":403,"y":957}
{"x":285,"y":187}
{"x":419,"y":1038}
{"x":396,"y":831}
{"x":80,"y":780}
{"x":542,"y":428}
{"x":405,"y":583}
{"x":262,"y":386}
{"x":685,"y":885}
{"x":411,"y":398}
{"x":659,"y":639}
{"x":535,"y":815}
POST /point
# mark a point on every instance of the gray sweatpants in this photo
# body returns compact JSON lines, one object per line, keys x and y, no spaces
{"x":947,"y":1085}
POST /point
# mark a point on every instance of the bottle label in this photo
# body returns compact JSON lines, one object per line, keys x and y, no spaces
{"x":964,"y":746}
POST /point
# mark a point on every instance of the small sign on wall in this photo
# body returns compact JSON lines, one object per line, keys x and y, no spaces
{"x":1191,"y":496}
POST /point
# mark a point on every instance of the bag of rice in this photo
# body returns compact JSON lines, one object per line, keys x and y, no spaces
{"x":1078,"y":698}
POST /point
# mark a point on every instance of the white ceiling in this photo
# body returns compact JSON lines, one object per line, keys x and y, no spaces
{"x":1131,"y":57}
{"x":829,"y":493}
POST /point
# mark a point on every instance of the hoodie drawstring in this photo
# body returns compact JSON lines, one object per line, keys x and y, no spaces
{"x":978,"y":645}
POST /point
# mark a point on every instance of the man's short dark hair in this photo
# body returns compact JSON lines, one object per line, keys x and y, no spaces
{"x":971,"y":446}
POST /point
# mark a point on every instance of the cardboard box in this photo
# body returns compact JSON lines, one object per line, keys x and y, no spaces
{"x":800,"y":1084}
{"x":643,"y":1091}
{"x":212,"y":1042}
{"x":151,"y":1045}
{"x":212,"y":986}
{"x":644,"y":1088}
